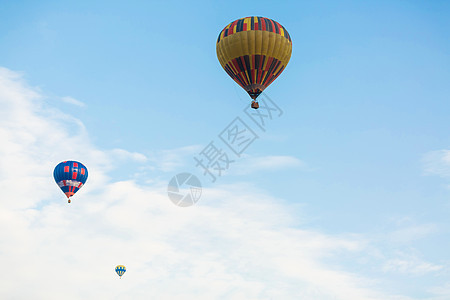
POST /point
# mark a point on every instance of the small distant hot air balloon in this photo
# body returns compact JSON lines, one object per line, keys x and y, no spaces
{"x":70,"y":177}
{"x":120,"y":270}
{"x":254,"y":51}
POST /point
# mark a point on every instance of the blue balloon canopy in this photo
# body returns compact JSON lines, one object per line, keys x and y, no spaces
{"x":70,"y":176}
{"x":120,"y":270}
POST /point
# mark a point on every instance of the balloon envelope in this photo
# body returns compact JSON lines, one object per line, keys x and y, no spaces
{"x":120,"y":270}
{"x":70,"y":176}
{"x":254,"y":51}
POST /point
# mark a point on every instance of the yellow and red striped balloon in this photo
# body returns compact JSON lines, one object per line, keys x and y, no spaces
{"x":254,"y":51}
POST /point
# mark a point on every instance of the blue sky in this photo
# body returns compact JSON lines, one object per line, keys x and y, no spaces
{"x":353,"y":178}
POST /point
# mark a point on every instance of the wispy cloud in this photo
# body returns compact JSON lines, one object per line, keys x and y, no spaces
{"x":174,"y":159}
{"x":410,"y":264}
{"x":441,"y":292}
{"x":437,"y":163}
{"x":73,"y":101}
{"x":251,"y":164}
{"x":412,"y":233}
{"x":126,"y":155}
{"x":236,"y":243}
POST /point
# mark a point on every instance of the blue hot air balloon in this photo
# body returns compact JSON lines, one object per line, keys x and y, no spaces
{"x":70,"y":177}
{"x":120,"y":270}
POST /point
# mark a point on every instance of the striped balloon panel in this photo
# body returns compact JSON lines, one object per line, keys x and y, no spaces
{"x":70,"y":176}
{"x":253,"y":23}
{"x":254,"y":51}
{"x":254,"y":72}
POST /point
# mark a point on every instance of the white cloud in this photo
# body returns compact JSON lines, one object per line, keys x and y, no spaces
{"x":251,"y":164}
{"x":441,"y":292}
{"x":411,"y":233}
{"x":236,"y":243}
{"x":73,"y":101}
{"x":410,"y":264}
{"x":126,"y":155}
{"x":173,"y":159}
{"x":437,"y":163}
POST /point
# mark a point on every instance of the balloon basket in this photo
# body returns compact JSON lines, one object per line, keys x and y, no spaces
{"x":255,"y":105}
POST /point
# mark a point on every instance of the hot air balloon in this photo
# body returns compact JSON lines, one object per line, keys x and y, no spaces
{"x":254,"y":51}
{"x":70,"y":177}
{"x":120,"y":270}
